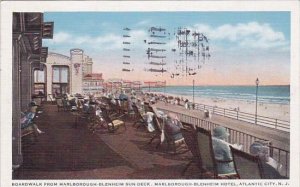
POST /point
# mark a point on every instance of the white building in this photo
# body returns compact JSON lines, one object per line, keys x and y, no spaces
{"x":63,"y":74}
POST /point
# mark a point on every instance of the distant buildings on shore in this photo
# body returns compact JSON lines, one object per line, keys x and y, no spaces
{"x":121,"y":84}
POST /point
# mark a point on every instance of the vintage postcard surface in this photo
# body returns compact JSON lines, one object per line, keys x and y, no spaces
{"x":150,"y":93}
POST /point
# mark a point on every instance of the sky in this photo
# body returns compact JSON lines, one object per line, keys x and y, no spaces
{"x":242,"y":45}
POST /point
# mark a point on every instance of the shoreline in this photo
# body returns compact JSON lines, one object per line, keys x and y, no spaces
{"x":271,"y":110}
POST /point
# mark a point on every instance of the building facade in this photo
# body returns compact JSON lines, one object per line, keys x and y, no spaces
{"x":28,"y":57}
{"x":65,"y":74}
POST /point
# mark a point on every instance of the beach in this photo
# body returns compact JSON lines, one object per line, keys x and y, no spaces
{"x":271,"y":110}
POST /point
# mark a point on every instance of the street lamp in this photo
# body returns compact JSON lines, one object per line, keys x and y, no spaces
{"x":193,"y":91}
{"x":257,"y":83}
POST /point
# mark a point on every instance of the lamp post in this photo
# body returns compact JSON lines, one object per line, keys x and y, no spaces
{"x":256,"y":82}
{"x":193,"y":91}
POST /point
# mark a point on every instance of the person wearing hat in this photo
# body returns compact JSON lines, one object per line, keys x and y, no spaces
{"x":26,"y":122}
{"x":27,"y":117}
{"x":32,"y":107}
{"x":123,"y":96}
{"x":186,"y":104}
{"x":271,"y":168}
{"x":172,"y":126}
{"x":222,"y":151}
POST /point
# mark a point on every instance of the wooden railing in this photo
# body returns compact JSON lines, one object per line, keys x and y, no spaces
{"x":282,"y":156}
{"x":239,"y":137}
{"x":247,"y":117}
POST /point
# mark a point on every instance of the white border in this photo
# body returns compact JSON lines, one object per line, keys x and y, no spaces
{"x":67,"y":6}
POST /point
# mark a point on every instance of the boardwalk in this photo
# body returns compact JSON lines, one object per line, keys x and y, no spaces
{"x":279,"y":138}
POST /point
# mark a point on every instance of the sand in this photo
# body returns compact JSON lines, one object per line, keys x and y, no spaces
{"x":276,"y":111}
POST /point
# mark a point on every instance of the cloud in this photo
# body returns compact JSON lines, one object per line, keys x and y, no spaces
{"x":247,"y":35}
{"x":107,"y":41}
{"x":82,"y":40}
{"x":138,"y":34}
{"x":137,"y":37}
{"x":61,"y":37}
{"x":143,"y":22}
{"x":242,"y":37}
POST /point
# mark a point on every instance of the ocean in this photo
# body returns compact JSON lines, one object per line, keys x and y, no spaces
{"x":266,"y":94}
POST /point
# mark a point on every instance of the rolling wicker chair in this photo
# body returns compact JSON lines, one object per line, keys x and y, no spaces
{"x":190,"y":137}
{"x":148,"y":108}
{"x":115,"y":108}
{"x":207,"y":157}
{"x":113,"y":123}
{"x":139,"y":117}
{"x":157,"y":131}
{"x":172,"y":140}
{"x":246,"y":165}
{"x":59,"y":104}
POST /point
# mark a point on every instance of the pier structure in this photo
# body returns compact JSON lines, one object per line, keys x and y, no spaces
{"x":154,"y":84}
{"x":113,"y":85}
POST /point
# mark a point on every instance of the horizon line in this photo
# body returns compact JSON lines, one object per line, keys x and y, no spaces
{"x":231,"y":85}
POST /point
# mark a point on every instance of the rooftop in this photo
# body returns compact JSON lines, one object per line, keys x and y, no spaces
{"x":97,"y":76}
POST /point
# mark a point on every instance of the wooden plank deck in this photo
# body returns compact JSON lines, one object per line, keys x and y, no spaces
{"x":65,"y":152}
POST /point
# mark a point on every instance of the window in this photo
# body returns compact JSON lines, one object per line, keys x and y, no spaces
{"x":39,"y":83}
{"x":39,"y":76}
{"x":60,"y":74}
{"x":60,"y":80}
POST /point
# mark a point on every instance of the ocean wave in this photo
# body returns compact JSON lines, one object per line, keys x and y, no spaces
{"x":267,"y":94}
